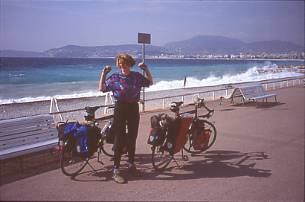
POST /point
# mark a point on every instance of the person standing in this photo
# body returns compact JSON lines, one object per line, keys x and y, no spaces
{"x":125,"y":86}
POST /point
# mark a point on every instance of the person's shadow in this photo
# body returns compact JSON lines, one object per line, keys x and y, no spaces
{"x":210,"y":164}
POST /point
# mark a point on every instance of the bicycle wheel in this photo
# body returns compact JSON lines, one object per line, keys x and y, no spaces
{"x":160,"y":157}
{"x":107,"y":149}
{"x":71,"y":163}
{"x":190,"y":145}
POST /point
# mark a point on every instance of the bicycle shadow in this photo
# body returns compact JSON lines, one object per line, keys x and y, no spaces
{"x":213,"y":164}
{"x":259,"y":105}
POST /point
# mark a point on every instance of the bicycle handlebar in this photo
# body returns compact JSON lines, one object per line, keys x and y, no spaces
{"x":90,"y":112}
{"x":198,"y":104}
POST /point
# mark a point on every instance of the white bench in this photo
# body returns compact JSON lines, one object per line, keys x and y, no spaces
{"x":27,"y":135}
{"x":251,"y":93}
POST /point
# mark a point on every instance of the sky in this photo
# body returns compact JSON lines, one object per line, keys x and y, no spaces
{"x":39,"y":25}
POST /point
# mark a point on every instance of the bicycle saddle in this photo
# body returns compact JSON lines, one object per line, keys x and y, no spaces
{"x":91,"y":110}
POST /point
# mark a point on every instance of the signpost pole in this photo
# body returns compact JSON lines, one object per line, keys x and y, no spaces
{"x":143,"y":89}
{"x":144,"y":39}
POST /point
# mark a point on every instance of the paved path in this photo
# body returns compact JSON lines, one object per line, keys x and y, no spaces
{"x":258,"y":156}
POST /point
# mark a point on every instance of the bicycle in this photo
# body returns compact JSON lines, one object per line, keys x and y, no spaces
{"x":71,"y":162}
{"x":198,"y":128}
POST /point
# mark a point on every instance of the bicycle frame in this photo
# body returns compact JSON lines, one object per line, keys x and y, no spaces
{"x":161,"y":156}
{"x":67,"y":158}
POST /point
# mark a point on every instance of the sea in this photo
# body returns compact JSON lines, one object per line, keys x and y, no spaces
{"x":37,"y":79}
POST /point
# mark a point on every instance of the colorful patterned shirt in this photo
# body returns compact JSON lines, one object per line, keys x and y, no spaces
{"x":126,"y":87}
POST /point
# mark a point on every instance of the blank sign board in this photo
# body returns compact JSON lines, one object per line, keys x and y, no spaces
{"x":143,"y":38}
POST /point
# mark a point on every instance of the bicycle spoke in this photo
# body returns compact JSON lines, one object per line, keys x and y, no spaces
{"x":160,"y":158}
{"x":71,"y":163}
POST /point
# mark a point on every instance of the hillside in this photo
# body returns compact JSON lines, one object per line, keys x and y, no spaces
{"x":193,"y":46}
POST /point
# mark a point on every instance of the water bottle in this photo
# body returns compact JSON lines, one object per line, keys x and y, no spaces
{"x":106,"y":129}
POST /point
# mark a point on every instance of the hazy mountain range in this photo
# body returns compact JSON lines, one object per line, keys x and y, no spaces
{"x":193,"y":46}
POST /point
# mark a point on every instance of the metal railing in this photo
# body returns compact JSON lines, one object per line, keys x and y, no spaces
{"x":225,"y":90}
{"x":207,"y":92}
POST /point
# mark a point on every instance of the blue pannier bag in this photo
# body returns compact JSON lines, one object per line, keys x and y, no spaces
{"x":82,"y":138}
{"x":70,"y":129}
{"x":81,"y":135}
{"x":66,"y":132}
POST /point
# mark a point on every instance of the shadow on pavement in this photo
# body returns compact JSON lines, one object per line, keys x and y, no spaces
{"x":213,"y":164}
{"x":258,"y":104}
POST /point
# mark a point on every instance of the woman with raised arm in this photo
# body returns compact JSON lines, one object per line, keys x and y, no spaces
{"x":125,"y":86}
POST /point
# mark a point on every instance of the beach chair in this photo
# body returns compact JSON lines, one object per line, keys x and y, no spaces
{"x":251,"y":94}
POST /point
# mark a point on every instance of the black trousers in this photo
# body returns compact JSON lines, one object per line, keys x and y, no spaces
{"x":126,"y":115}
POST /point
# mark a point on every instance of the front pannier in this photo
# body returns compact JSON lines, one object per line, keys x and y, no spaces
{"x":158,"y":129}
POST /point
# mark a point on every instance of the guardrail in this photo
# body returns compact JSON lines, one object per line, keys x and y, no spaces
{"x":209,"y":93}
{"x":226,"y":89}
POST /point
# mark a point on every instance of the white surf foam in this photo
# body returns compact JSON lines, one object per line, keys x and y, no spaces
{"x":252,"y":74}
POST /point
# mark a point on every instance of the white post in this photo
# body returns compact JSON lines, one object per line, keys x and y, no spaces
{"x":51,"y":105}
{"x":53,"y":99}
{"x":106,"y":102}
{"x":163,"y":103}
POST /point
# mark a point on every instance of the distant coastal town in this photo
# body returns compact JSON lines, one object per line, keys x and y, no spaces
{"x":243,"y":56}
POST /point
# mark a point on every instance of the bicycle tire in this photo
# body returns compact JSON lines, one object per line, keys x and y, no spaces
{"x":71,"y":163}
{"x":107,"y":149}
{"x":189,"y":147}
{"x":160,"y":158}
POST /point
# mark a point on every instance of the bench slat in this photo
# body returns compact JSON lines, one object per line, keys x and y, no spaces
{"x":263,"y":96}
{"x":8,"y":132}
{"x":39,"y":131}
{"x":25,"y":149}
{"x":26,"y":134}
{"x":4,"y":124}
{"x":27,"y":140}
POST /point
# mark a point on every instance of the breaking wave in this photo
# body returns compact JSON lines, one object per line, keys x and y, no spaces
{"x":267,"y":72}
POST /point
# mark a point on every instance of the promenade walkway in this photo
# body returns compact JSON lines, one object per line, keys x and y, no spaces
{"x":258,"y":156}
